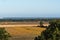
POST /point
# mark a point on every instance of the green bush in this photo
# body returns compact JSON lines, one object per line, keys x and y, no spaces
{"x":51,"y":33}
{"x":4,"y":35}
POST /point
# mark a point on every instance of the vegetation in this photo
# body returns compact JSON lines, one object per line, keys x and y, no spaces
{"x":52,"y":32}
{"x":41,"y":23}
{"x":4,"y":35}
{"x":14,"y":19}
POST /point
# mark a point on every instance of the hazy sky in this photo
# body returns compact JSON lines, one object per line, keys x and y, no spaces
{"x":29,"y":8}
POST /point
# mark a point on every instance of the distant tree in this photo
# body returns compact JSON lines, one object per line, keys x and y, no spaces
{"x":52,"y":32}
{"x":4,"y":35}
{"x":41,"y":23}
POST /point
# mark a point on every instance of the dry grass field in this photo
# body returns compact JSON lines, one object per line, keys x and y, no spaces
{"x":24,"y":33}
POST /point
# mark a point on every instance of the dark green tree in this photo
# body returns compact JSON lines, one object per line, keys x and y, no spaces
{"x":52,"y":32}
{"x":4,"y":35}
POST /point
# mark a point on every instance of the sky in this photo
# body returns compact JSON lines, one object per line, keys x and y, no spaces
{"x":29,"y":8}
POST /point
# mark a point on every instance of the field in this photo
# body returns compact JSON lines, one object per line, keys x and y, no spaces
{"x":23,"y":31}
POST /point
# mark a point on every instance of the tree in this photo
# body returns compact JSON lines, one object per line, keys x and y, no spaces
{"x":4,"y":35}
{"x":41,"y":23}
{"x":52,"y":32}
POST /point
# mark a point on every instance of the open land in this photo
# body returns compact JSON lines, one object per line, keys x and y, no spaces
{"x":23,"y":31}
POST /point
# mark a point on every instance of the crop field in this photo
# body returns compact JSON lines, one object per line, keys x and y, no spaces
{"x":23,"y":31}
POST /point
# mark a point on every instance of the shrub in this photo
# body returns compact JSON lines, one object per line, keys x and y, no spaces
{"x":4,"y":35}
{"x":52,"y":32}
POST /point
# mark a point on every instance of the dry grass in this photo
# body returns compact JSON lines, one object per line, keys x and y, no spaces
{"x":24,"y":30}
{"x":24,"y":33}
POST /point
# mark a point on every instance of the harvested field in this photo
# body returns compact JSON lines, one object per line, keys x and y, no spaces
{"x":20,"y":25}
{"x":24,"y":33}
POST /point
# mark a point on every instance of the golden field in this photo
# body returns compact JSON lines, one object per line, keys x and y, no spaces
{"x":24,"y":33}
